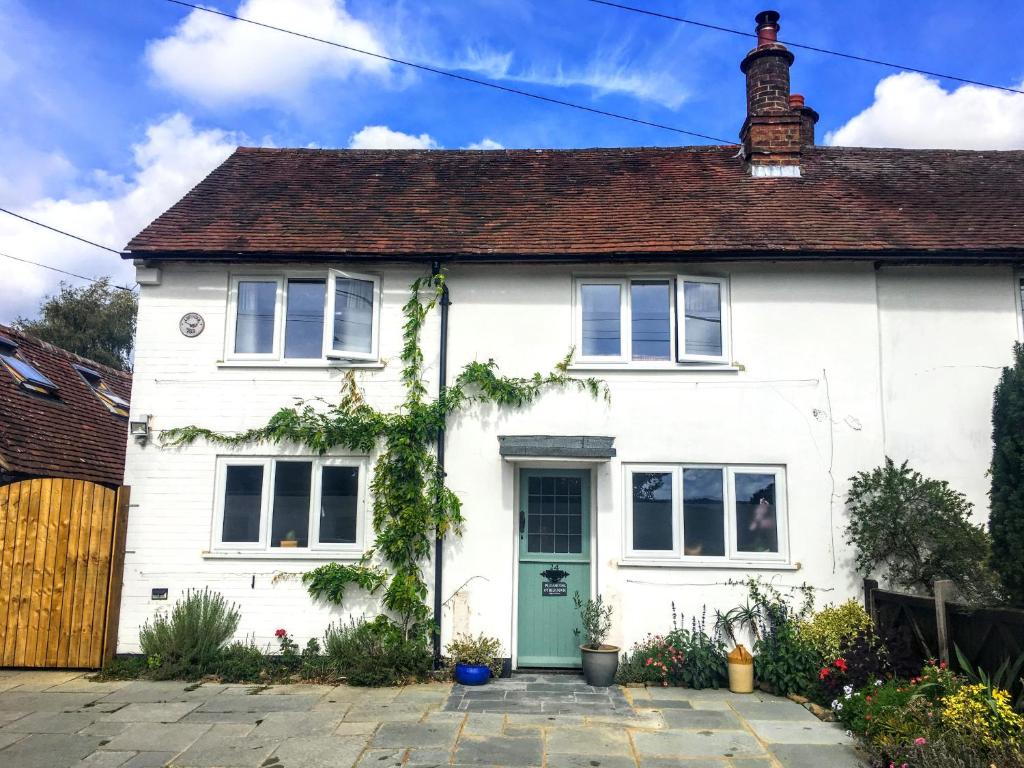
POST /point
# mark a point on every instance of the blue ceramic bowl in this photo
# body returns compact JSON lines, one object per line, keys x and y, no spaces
{"x":472,"y":674}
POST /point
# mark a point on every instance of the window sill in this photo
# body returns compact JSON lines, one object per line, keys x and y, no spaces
{"x":317,"y":556}
{"x":738,"y":565}
{"x":647,"y":367}
{"x":303,"y":364}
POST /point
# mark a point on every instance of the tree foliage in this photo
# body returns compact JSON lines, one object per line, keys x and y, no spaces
{"x":95,"y":321}
{"x":411,"y":502}
{"x":1006,"y":518}
{"x":915,"y":530}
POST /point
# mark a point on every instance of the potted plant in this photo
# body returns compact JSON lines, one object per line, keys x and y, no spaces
{"x":600,"y":661}
{"x":474,"y":659}
{"x":290,"y":540}
{"x":740,"y":661}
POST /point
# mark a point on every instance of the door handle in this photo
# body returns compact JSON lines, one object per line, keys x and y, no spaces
{"x":522,"y":522}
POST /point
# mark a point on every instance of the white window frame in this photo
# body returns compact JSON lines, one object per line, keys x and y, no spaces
{"x":732,"y":553}
{"x":328,"y":344}
{"x":269,"y":464}
{"x":680,"y":323}
{"x":281,"y":278}
{"x":653,"y":554}
{"x":232,"y":323}
{"x":781,"y":512}
{"x":625,"y":356}
{"x":217,"y":532}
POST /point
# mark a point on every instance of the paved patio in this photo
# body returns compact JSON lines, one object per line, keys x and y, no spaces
{"x":60,"y":720}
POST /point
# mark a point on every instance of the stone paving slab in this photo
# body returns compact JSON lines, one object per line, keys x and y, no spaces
{"x":302,"y":751}
{"x":799,"y":732}
{"x":555,"y":721}
{"x":48,"y":750}
{"x":156,"y":737}
{"x":703,"y":743}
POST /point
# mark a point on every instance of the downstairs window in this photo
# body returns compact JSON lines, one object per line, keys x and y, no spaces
{"x":279,"y":505}
{"x":706,"y":512}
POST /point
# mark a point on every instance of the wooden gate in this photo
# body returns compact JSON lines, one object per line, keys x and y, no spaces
{"x":62,"y":548}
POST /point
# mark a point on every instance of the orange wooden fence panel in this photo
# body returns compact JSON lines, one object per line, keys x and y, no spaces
{"x":61,"y":564}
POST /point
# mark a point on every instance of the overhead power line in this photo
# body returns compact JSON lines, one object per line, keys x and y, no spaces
{"x":852,"y":57}
{"x":455,"y":76}
{"x":63,"y":271}
{"x":59,"y":231}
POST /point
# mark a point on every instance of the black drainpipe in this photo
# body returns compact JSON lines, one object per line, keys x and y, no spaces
{"x":442,"y":376}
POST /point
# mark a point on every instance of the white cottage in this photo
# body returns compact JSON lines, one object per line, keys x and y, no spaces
{"x":769,"y":317}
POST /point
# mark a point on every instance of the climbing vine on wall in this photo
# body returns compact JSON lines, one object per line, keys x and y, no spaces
{"x":410,"y":498}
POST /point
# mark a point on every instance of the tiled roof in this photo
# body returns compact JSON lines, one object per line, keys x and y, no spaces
{"x":71,"y":435}
{"x":594,"y":202}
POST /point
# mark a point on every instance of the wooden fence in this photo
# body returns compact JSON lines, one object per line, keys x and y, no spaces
{"x":61,"y":566}
{"x":935,"y":626}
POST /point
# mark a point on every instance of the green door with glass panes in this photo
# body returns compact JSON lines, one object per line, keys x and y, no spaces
{"x":554,"y":564}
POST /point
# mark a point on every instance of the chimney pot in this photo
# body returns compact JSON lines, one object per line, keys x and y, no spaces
{"x":796,"y":100}
{"x":767,"y":27}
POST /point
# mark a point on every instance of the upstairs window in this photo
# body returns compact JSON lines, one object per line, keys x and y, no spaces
{"x":280,"y":505}
{"x":115,"y":404}
{"x":302,"y":317}
{"x":26,"y":374}
{"x":652,"y":320}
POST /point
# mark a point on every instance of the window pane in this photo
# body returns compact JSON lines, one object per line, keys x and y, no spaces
{"x":602,"y":320}
{"x":703,"y":313}
{"x":652,"y":511}
{"x":555,"y":519}
{"x":353,"y":315}
{"x":756,"y":515}
{"x":304,"y":320}
{"x":254,"y":323}
{"x":29,"y":373}
{"x":703,"y":513}
{"x":339,"y":495}
{"x":243,"y":496}
{"x":651,"y":312}
{"x":290,"y":520}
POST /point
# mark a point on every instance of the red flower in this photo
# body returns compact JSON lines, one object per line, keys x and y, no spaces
{"x":841,"y":664}
{"x":823,"y":674}
{"x":281,"y":633}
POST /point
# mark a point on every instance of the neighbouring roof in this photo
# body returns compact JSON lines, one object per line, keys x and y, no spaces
{"x":627,"y":203}
{"x":71,"y":434}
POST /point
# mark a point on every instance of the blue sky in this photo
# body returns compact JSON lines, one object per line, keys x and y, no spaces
{"x":110,"y":110}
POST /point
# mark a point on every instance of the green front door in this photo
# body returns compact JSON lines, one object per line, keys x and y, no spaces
{"x":554,"y":563}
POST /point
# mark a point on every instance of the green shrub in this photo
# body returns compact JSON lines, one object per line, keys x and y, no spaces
{"x":784,"y":660}
{"x":1006,"y":516}
{"x":916,"y":530}
{"x":189,"y":642}
{"x":123,"y":668}
{"x":376,"y":653}
{"x":483,"y":650}
{"x":947,"y":752}
{"x":242,"y":662}
{"x":835,"y":625}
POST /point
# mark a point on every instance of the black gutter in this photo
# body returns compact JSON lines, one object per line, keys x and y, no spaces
{"x":442,"y":383}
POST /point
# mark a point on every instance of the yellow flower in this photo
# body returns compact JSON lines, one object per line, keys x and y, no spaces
{"x":983,"y":717}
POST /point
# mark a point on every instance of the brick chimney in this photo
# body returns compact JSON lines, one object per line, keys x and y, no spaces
{"x":778,"y":124}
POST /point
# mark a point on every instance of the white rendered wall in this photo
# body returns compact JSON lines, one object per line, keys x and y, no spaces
{"x":825,"y":350}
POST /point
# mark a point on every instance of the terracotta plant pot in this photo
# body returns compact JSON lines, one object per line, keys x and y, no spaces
{"x":289,"y":543}
{"x":600,"y":665}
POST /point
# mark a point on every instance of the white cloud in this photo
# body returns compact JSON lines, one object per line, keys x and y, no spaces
{"x":485,"y":143}
{"x":608,"y":72}
{"x":217,"y":60}
{"x":914,"y":111}
{"x":172,"y":158}
{"x":382,"y":137}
